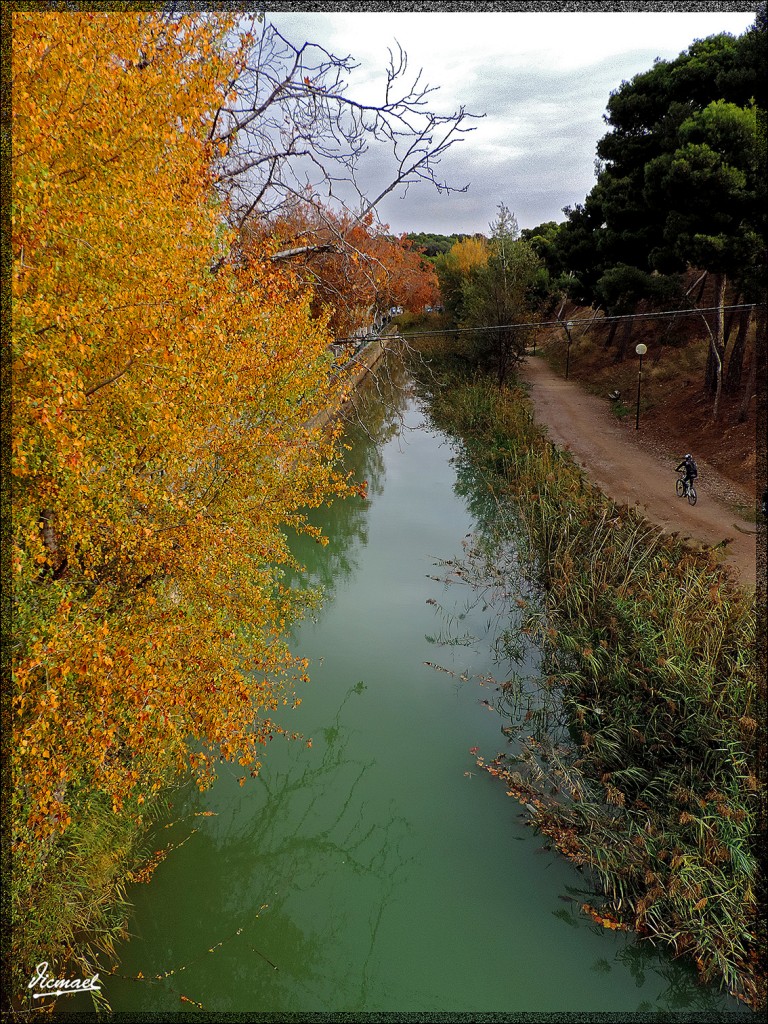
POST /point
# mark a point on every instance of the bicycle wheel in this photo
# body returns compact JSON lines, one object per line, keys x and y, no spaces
{"x":680,"y":488}
{"x":692,"y":497}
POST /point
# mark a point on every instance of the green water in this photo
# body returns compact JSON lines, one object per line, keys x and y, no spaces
{"x":380,"y":869}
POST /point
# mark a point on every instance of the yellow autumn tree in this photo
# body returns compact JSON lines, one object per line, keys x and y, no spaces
{"x":469,"y":253}
{"x":456,"y":267}
{"x":161,"y":438}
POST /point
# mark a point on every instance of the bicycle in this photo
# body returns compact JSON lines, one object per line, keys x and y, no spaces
{"x":684,"y":490}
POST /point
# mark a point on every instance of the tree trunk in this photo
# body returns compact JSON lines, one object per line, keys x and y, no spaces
{"x":49,"y":535}
{"x":716,"y":342}
{"x":749,"y":390}
{"x":303,"y":250}
{"x":591,"y":322}
{"x":710,"y":370}
{"x":758,"y":363}
{"x":626,"y":336}
{"x":55,"y":565}
{"x":736,"y":359}
{"x":611,"y":334}
{"x":703,"y":286}
{"x":730,"y":320}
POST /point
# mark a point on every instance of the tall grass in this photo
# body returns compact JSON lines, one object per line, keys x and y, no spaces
{"x":651,"y":647}
{"x":72,"y":913}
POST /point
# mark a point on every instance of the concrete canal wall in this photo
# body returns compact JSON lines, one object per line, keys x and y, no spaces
{"x":360,"y":366}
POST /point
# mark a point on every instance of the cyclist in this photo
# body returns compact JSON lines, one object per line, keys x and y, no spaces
{"x":691,"y":471}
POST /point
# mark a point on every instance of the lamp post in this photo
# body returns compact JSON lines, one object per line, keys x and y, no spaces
{"x":641,"y":350}
{"x":568,"y":327}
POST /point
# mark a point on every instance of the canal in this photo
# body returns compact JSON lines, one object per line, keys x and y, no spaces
{"x":378,"y":869}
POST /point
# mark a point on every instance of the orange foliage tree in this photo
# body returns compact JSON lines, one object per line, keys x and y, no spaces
{"x":161,"y":437}
{"x":356,"y":269}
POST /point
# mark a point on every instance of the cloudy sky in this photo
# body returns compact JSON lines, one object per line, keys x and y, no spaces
{"x":541,"y":79}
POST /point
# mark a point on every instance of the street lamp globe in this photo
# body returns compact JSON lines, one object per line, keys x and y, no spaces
{"x":641,"y":349}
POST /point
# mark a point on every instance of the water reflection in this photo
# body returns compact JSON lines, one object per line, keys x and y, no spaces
{"x":274,"y":860}
{"x":645,"y":963}
{"x":373,"y":418}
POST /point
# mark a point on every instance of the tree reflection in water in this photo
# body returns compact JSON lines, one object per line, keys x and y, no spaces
{"x":263,"y":856}
{"x":373,"y":418}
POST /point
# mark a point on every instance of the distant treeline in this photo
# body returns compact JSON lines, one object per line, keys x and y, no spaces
{"x":436,"y":245}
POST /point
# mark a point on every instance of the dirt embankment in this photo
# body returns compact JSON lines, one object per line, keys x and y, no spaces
{"x":637,"y":468}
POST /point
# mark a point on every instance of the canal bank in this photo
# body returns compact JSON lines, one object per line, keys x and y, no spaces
{"x":357,"y":368}
{"x":651,"y":669}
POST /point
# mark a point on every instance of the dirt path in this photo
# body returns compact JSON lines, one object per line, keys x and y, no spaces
{"x":612,"y":458}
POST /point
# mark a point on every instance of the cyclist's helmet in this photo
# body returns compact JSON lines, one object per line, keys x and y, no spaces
{"x":688,"y":455}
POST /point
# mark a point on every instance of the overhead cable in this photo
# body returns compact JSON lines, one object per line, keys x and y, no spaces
{"x":573,"y":321}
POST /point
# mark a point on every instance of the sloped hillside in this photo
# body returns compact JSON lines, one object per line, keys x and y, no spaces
{"x":675,"y":407}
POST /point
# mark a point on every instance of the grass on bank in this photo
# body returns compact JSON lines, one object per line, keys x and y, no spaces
{"x":652,"y":650}
{"x":70,"y":907}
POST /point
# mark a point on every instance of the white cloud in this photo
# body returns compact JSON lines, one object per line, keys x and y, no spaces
{"x":541,"y":79}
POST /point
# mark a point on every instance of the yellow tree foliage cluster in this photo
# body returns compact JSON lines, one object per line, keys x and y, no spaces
{"x":467,"y":254}
{"x":160,"y":444}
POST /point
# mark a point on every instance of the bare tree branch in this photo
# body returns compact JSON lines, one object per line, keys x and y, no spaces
{"x":289,"y":131}
{"x":109,"y":380}
{"x":300,"y":250}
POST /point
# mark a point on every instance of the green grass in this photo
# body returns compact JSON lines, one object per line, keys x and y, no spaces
{"x":69,"y":903}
